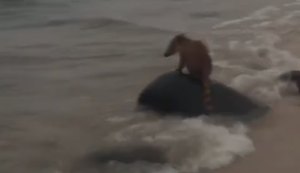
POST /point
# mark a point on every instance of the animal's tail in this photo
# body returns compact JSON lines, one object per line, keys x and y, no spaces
{"x":207,"y":98}
{"x":298,"y":85}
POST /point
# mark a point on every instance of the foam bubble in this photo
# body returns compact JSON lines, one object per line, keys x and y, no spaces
{"x":191,"y":144}
{"x":261,"y":14}
{"x":292,"y":3}
{"x":261,"y":50}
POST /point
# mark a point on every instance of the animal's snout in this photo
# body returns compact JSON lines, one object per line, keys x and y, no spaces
{"x":167,"y":54}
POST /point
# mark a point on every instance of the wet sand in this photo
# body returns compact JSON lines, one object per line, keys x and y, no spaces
{"x":276,"y":141}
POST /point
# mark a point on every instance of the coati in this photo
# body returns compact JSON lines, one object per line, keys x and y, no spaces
{"x":193,"y":55}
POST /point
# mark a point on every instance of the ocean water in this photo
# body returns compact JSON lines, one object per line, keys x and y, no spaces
{"x":71,"y":70}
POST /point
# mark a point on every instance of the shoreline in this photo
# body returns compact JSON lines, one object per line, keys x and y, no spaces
{"x":276,"y":143}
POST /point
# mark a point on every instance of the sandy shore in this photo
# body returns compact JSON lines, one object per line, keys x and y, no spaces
{"x":277,"y":142}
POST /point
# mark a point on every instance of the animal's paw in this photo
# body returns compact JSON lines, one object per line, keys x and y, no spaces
{"x":179,"y":71}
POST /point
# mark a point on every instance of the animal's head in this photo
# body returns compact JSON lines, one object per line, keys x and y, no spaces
{"x":174,"y":45}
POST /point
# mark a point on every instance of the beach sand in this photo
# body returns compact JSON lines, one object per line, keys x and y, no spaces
{"x":277,"y":144}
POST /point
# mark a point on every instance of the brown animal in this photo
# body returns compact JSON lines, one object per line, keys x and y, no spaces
{"x":194,"y":55}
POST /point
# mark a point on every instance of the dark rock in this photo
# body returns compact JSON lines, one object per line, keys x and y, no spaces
{"x":293,"y":76}
{"x":175,"y":93}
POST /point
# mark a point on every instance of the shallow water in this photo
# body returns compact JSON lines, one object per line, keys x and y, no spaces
{"x":71,"y":71}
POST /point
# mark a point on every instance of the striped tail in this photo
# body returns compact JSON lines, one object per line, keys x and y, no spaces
{"x":298,"y":86}
{"x":207,"y":99}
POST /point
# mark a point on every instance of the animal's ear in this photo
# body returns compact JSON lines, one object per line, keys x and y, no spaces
{"x":181,"y":37}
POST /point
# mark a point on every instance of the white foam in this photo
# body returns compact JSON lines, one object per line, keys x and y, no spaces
{"x":292,"y":3}
{"x":261,"y":14}
{"x":138,"y":167}
{"x":118,"y":119}
{"x":192,"y":144}
{"x":262,"y":24}
{"x":290,"y":18}
{"x":261,"y":84}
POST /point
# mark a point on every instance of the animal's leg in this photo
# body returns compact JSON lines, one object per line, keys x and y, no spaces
{"x":180,"y":65}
